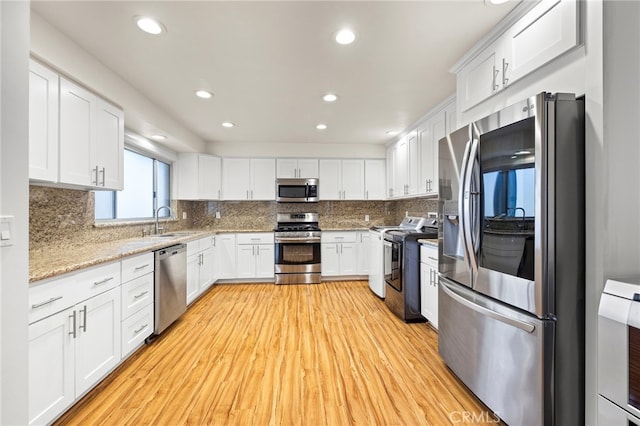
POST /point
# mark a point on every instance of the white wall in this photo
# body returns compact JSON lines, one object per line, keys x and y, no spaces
{"x":14,"y":192}
{"x":311,"y":150}
{"x":141,"y":115}
{"x":608,"y":245}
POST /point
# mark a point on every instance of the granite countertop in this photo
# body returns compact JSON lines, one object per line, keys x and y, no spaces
{"x":429,"y":241}
{"x":50,"y":262}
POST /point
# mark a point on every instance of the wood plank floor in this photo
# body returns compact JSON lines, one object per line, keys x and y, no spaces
{"x":258,"y":354}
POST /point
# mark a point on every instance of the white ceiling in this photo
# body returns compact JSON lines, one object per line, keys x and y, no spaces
{"x":269,"y":63}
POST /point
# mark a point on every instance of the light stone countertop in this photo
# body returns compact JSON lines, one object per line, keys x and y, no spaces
{"x":50,"y":262}
{"x":429,"y":241}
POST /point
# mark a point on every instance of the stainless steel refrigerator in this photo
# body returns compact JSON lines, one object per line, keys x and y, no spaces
{"x":511,"y":265}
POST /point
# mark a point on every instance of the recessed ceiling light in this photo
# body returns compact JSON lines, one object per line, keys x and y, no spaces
{"x":321,"y":126}
{"x":496,"y":1}
{"x":159,"y":137}
{"x":149,"y":25}
{"x":345,"y":36}
{"x":330,"y":97}
{"x":227,"y":124}
{"x":204,"y":94}
{"x":392,"y":132}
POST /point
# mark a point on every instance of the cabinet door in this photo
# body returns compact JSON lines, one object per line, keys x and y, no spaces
{"x":374,"y":180}
{"x":451,"y":117}
{"x":236,"y":178}
{"x":43,"y":123}
{"x":330,"y":259}
{"x":479,"y":79}
{"x":433,"y":297}
{"x":77,"y":121}
{"x":226,"y":255}
{"x":330,"y":180}
{"x":265,"y":261}
{"x":98,"y":342}
{"x":263,"y":175}
{"x":363,"y":252}
{"x":546,"y":32}
{"x":308,"y":168}
{"x":353,"y":179}
{"x":246,"y":261}
{"x":413,"y":164}
{"x":51,"y":371}
{"x":425,"y":283}
{"x":207,"y":268}
{"x":390,"y":162}
{"x":438,"y":131}
{"x":427,"y":161}
{"x":186,"y":173}
{"x":286,"y":168}
{"x":348,"y":259}
{"x":193,"y":277}
{"x":107,"y":151}
{"x":400,"y":168}
{"x":209,"y":177}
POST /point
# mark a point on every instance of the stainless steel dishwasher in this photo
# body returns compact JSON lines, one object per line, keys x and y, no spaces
{"x":170,"y":285}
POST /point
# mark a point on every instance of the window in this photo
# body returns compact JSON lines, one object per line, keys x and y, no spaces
{"x":146,"y":187}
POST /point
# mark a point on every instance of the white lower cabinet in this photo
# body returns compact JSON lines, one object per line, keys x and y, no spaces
{"x":339,"y":253}
{"x":255,"y":255}
{"x":201,"y":268}
{"x":138,"y":293}
{"x":429,"y":283}
{"x":363,"y":239}
{"x":136,"y":328}
{"x":226,"y":246}
{"x":71,"y":351}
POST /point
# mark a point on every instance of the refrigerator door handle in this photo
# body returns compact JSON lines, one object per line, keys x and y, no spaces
{"x":470,"y":223}
{"x":461,"y":204}
{"x":522,"y":325}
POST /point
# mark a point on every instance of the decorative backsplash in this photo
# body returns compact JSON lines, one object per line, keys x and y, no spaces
{"x":67,"y":216}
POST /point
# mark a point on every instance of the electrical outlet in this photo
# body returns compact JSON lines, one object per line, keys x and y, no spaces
{"x":366,"y":218}
{"x":184,"y":215}
{"x":406,"y":213}
{"x":217,"y":215}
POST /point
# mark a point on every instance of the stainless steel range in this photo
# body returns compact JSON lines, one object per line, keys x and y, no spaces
{"x":297,"y":249}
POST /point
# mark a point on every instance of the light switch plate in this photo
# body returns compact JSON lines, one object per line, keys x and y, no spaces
{"x":7,"y":230}
{"x":217,"y":215}
{"x":366,"y":218}
{"x":184,"y":215}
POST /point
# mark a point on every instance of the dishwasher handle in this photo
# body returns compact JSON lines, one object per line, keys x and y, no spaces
{"x":170,"y":251}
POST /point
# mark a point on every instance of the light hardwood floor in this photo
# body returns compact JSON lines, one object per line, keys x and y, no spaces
{"x":260,"y":354}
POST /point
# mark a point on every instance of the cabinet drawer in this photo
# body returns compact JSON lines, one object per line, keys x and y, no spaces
{"x":193,"y":247}
{"x":255,"y":238}
{"x":338,"y":237}
{"x":137,"y":266}
{"x":136,"y":329}
{"x":49,"y":297}
{"x":136,"y":294}
{"x":207,"y":242}
{"x":429,"y":255}
{"x":98,"y":280}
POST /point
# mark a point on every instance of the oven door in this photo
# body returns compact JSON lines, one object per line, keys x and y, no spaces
{"x":293,"y":255}
{"x":393,"y":264}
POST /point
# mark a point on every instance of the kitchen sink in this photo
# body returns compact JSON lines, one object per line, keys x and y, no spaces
{"x":176,"y":234}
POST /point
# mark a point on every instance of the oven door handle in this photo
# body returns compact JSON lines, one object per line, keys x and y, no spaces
{"x":297,"y":240}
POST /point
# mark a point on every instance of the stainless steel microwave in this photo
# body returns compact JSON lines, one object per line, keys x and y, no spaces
{"x":297,"y":190}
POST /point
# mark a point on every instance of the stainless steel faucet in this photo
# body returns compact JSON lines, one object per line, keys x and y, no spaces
{"x":157,"y":228}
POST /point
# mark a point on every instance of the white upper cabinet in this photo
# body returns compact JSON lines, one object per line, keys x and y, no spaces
{"x":76,"y":138}
{"x":77,"y":130}
{"x":43,"y":123}
{"x":107,"y":152}
{"x":413,"y":163}
{"x":342,"y":179}
{"x":400,"y":152}
{"x":249,"y":179}
{"x":374,"y":179}
{"x":198,"y":177}
{"x":390,"y":162}
{"x":548,"y":30}
{"x":429,"y":134}
{"x":297,"y":168}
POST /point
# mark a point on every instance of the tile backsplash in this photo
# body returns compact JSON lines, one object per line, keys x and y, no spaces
{"x":67,"y":216}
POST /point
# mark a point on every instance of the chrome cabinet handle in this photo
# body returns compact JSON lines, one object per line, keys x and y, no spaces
{"x":505,"y":65}
{"x":83,"y":327}
{"x":137,"y":296}
{"x":38,"y":305}
{"x":432,"y":258}
{"x":252,"y":194}
{"x":95,"y":182}
{"x":495,"y":76}
{"x":104,"y":175}
{"x":247,"y":194}
{"x":366,"y":194}
{"x":106,"y":280}
{"x":137,"y":268}
{"x":73,"y":329}
{"x":140,"y":329}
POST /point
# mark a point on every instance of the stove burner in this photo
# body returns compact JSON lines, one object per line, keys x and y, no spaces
{"x":296,"y":227}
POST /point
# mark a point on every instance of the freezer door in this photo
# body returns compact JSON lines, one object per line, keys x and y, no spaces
{"x":502,"y":355}
{"x":454,"y":260}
